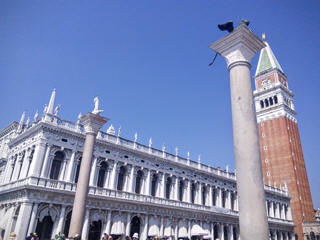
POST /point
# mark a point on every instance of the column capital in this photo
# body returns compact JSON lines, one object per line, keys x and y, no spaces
{"x":238,"y":47}
{"x":92,"y":122}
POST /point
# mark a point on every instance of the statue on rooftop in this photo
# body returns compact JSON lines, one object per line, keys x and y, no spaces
{"x":96,"y":106}
{"x":56,"y":110}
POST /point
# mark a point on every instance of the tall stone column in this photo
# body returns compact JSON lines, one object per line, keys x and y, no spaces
{"x":61,"y":219}
{"x":148,"y":185}
{"x":21,"y":224}
{"x":85,"y":230}
{"x":128,"y":224}
{"x":108,"y":225}
{"x":93,"y":171}
{"x":238,"y":48}
{"x":37,"y":161}
{"x":92,"y":124}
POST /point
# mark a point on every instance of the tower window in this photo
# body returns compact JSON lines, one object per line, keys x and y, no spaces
{"x":261,"y":104}
{"x":266,"y":102}
{"x":275,"y":98}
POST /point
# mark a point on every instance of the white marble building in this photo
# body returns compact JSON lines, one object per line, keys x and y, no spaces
{"x":133,"y":187}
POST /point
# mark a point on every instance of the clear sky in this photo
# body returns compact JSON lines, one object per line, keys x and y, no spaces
{"x":148,"y":62}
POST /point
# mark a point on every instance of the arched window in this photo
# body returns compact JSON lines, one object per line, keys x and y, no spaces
{"x":181,"y":187}
{"x":266,"y":102}
{"x":168,"y":187}
{"x":56,"y":165}
{"x":261,"y":104}
{"x":102,"y":174}
{"x":154,"y":184}
{"x":76,"y":177}
{"x":275,"y":98}
{"x":214,"y":197}
{"x":271,"y":101}
{"x":139,"y":181}
{"x":204,"y":192}
{"x":223,"y":199}
{"x":193,"y":189}
{"x":121,"y":176}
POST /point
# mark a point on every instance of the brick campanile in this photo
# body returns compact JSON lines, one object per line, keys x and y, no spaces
{"x":281,"y":152}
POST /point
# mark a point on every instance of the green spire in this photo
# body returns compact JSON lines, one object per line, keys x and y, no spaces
{"x":267,"y":60}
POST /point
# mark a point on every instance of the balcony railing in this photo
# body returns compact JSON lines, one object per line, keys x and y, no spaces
{"x":50,"y":184}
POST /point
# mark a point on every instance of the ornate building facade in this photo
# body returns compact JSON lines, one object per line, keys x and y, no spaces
{"x":133,"y":187}
{"x":280,"y":146}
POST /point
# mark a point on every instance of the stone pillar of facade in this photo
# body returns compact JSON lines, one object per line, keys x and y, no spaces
{"x":113,"y":176}
{"x":148,"y":185}
{"x":92,"y":124}
{"x":93,"y":172}
{"x":230,"y":232}
{"x":212,"y":231}
{"x":176,"y":189}
{"x":145,"y":228}
{"x":221,"y":231}
{"x":85,"y":230}
{"x":32,"y":224}
{"x":176,"y":230}
{"x":36,"y":163}
{"x":25,"y":164}
{"x":70,"y":166}
{"x":61,"y":219}
{"x":200,"y":197}
{"x":238,"y":48}
{"x":189,"y":227}
{"x":21,"y":224}
{"x":130,"y":187}
{"x":128,"y":224}
{"x":163,"y":186}
{"x":219,"y":197}
{"x":108,"y":225}
{"x":17,"y":168}
{"x":62,"y":172}
{"x":271,"y":212}
{"x":161,"y":227}
{"x":188,"y":193}
{"x":45,"y":164}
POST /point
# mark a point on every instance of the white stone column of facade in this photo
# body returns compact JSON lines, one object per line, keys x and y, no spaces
{"x":148,"y":185}
{"x":92,"y":181}
{"x":219,"y":197}
{"x":200,"y":197}
{"x":25,"y":164}
{"x":21,"y":224}
{"x":45,"y":164}
{"x":36,"y":163}
{"x":176,"y":230}
{"x":230,"y":232}
{"x":62,"y":172}
{"x":32,"y":224}
{"x":108,"y":225}
{"x":70,"y":166}
{"x":130,"y":186}
{"x":161,"y":227}
{"x":238,"y":48}
{"x":176,"y":189}
{"x":61,"y":219}
{"x":85,"y":229}
{"x":113,"y":176}
{"x":271,"y":212}
{"x":221,"y":232}
{"x":128,"y":224}
{"x":145,"y":228}
{"x":212,"y":230}
{"x":189,"y":227}
{"x":277,"y":210}
{"x":188,"y":192}
{"x":163,"y":185}
{"x":17,"y":167}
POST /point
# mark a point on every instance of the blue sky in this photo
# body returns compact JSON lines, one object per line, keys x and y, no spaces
{"x":148,"y":62}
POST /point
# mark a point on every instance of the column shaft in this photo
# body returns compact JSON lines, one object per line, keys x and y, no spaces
{"x":45,"y":164}
{"x":61,"y":219}
{"x":82,"y":189}
{"x":70,"y":167}
{"x":22,"y":220}
{"x":128,"y":224}
{"x":37,"y":160}
{"x":85,"y":230}
{"x":253,"y":217}
{"x":32,"y":224}
{"x":92,"y":181}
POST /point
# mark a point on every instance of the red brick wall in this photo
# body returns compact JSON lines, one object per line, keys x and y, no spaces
{"x":285,"y":163}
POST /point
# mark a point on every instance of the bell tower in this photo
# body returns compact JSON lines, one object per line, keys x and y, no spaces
{"x":281,"y":152}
